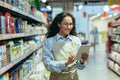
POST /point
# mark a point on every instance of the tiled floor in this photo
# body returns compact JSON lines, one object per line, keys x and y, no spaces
{"x":96,"y":67}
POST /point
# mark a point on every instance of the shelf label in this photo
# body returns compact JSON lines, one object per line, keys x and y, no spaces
{"x":1,"y":3}
{"x":7,"y":5}
{"x":4,"y":4}
{"x":1,"y":37}
{"x":10,"y":7}
{"x":12,"y":35}
{"x":7,"y":36}
{"x":15,"y":9}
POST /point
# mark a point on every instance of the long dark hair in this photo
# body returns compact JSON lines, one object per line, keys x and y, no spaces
{"x":54,"y":28}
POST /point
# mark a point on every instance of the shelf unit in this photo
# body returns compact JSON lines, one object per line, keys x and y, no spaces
{"x":18,"y":35}
{"x":113,"y":46}
{"x":11,"y":64}
{"x":5,"y":7}
{"x":114,"y":71}
{"x":13,"y":10}
{"x":32,"y":70}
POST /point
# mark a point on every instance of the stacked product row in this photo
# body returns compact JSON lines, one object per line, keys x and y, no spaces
{"x":115,"y":35}
{"x":116,"y":56}
{"x":114,"y":66}
{"x":37,"y":75}
{"x":11,"y":25}
{"x":11,"y":50}
{"x":21,"y":35}
{"x":114,"y":46}
{"x":22,"y":71}
{"x":22,"y":6}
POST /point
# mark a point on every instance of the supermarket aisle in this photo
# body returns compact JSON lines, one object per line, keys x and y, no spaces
{"x":96,"y":68}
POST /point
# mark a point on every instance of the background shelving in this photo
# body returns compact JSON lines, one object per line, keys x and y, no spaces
{"x":18,"y":35}
{"x":20,"y":50}
{"x":114,"y":46}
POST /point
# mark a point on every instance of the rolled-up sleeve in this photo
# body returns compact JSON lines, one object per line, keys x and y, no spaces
{"x":79,"y":65}
{"x":48,"y":59}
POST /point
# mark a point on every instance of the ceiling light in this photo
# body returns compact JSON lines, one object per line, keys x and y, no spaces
{"x":48,"y":7}
{"x":106,"y":8}
{"x":80,"y":7}
{"x":44,"y":1}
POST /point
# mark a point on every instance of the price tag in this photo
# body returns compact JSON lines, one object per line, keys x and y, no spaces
{"x":20,"y":11}
{"x":12,"y":35}
{"x":7,"y":36}
{"x":31,"y":16}
{"x":1,"y":37}
{"x":7,"y":5}
{"x":10,"y":7}
{"x":1,"y":3}
{"x":4,"y":4}
{"x":23,"y":34}
{"x":15,"y":9}
{"x":26,"y":14}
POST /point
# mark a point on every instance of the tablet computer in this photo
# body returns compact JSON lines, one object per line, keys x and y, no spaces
{"x":82,"y":49}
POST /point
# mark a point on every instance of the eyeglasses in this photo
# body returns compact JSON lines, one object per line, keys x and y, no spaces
{"x":68,"y":24}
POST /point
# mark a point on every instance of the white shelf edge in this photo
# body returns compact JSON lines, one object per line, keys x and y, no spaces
{"x":114,"y":71}
{"x":115,"y":40}
{"x":115,"y":32}
{"x":12,"y":36}
{"x":114,"y":60}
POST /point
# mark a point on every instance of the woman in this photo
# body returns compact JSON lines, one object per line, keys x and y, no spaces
{"x":60,"y":48}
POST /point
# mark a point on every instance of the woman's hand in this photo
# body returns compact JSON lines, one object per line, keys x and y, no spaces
{"x":84,"y":57}
{"x":70,"y":60}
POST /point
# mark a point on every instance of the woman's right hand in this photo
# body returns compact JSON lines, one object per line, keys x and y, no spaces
{"x":70,"y":60}
{"x":84,"y":57}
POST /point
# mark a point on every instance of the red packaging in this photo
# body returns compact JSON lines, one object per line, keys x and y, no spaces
{"x":7,"y":22}
{"x":12,"y":27}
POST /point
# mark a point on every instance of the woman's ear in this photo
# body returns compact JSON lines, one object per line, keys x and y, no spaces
{"x":58,"y":25}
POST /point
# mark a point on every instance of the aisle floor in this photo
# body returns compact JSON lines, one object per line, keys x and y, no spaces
{"x":96,"y":67}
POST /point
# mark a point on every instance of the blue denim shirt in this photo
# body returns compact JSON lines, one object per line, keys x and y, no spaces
{"x":48,"y":58}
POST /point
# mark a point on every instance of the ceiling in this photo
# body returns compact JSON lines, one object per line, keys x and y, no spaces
{"x":84,"y":2}
{"x":93,"y":1}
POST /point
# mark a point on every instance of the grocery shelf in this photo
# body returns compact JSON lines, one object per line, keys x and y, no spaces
{"x":115,"y":32}
{"x":13,"y":10}
{"x":11,"y":64}
{"x":116,"y":23}
{"x":114,"y":71}
{"x":113,"y":60}
{"x":18,"y":35}
{"x":115,"y":40}
{"x":26,"y":78}
{"x":115,"y":50}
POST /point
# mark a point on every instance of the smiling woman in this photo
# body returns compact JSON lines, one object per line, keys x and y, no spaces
{"x":60,"y":48}
{"x":60,"y":21}
{"x":65,"y":26}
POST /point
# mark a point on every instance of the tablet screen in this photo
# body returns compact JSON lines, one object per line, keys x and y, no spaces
{"x":82,"y":49}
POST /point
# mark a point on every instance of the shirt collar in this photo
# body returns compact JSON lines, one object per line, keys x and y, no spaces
{"x":58,"y":37}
